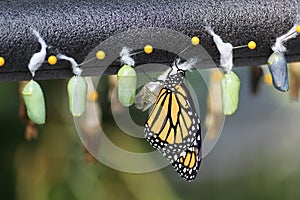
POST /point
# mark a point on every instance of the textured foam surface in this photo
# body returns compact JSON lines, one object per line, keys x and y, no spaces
{"x":76,"y":27}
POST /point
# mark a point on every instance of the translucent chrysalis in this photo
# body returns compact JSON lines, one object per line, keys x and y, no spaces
{"x":230,"y":87}
{"x":148,"y":95}
{"x":34,"y":101}
{"x":127,"y":85}
{"x":77,"y":88}
{"x":214,"y":114}
{"x":278,"y":68}
{"x":126,"y":78}
{"x":77,"y":91}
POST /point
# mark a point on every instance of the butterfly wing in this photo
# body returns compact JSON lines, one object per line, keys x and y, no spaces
{"x":188,"y":163}
{"x":173,"y":123}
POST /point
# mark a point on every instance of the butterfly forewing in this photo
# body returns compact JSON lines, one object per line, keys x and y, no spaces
{"x":173,"y":122}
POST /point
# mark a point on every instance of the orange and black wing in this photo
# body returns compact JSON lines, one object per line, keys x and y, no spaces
{"x":173,"y":123}
{"x":188,"y":162}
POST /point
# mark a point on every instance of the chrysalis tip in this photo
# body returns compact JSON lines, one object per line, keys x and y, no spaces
{"x":76,"y":70}
{"x":38,"y":58}
{"x":279,"y":45}
{"x":225,"y":50}
{"x":125,"y":56}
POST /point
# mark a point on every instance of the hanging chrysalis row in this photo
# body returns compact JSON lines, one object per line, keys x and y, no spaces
{"x":127,"y":75}
{"x":33,"y":94}
{"x":173,"y":126}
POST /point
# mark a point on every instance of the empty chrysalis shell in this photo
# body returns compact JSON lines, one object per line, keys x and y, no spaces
{"x":77,"y":91}
{"x":126,"y":85}
{"x":230,"y":87}
{"x":278,"y":68}
{"x":148,"y":95}
{"x":34,"y":101}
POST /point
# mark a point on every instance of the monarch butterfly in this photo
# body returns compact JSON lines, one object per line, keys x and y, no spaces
{"x":173,"y":126}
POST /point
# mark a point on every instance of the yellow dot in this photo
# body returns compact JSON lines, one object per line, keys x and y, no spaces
{"x":100,"y":55}
{"x":195,"y":40}
{"x":298,"y":29}
{"x":252,"y":45}
{"x":2,"y":61}
{"x":268,"y":79}
{"x":148,"y":49}
{"x":93,"y":96}
{"x":52,"y":60}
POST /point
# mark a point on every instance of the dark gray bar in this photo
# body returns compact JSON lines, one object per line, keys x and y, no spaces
{"x":76,"y":27}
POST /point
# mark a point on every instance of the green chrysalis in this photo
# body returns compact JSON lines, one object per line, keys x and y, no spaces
{"x":77,"y":91}
{"x":230,"y":86}
{"x":126,"y":85}
{"x":34,"y":101}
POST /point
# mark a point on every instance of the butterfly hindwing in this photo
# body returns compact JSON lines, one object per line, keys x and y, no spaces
{"x":188,"y":162}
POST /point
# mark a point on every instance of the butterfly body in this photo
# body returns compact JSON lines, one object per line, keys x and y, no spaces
{"x":173,"y":126}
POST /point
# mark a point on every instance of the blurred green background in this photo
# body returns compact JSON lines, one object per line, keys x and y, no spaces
{"x":256,"y":157}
